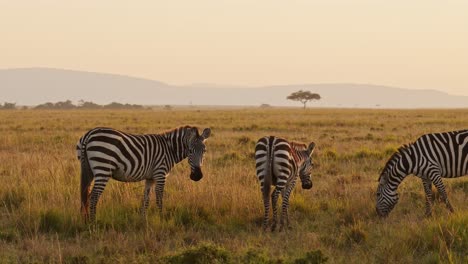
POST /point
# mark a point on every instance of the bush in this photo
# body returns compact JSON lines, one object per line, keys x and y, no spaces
{"x":206,"y":253}
{"x":8,"y":236}
{"x":54,"y":221}
{"x":8,"y":106}
{"x":51,"y":221}
{"x":256,"y":257}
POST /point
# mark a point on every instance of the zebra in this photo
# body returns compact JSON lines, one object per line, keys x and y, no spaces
{"x":431,"y":157}
{"x":278,"y":162}
{"x":107,"y":153}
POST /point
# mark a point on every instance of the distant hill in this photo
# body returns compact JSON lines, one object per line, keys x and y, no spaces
{"x":32,"y":86}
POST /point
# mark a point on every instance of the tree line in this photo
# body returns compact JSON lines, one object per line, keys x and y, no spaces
{"x":63,"y":105}
{"x":8,"y":106}
{"x":301,"y":96}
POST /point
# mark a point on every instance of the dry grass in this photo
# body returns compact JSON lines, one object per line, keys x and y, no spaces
{"x":221,"y":215}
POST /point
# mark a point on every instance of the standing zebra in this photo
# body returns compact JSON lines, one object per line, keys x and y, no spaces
{"x":431,"y":157}
{"x":108,"y":153}
{"x":278,"y":162}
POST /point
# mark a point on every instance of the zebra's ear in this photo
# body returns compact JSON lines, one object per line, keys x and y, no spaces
{"x":206,"y":133}
{"x":311,"y":148}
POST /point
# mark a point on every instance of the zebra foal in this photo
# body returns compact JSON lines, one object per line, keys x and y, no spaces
{"x":431,"y":157}
{"x":278,"y":162}
{"x":107,"y":153}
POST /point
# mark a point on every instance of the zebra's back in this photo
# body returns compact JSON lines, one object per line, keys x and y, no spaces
{"x":448,"y":150}
{"x":128,"y":157}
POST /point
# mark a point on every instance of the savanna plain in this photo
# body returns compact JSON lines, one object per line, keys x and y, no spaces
{"x":218,"y":220}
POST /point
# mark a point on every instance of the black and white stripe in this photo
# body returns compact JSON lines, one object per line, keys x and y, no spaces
{"x":431,"y":157}
{"x":278,"y":162}
{"x":108,"y":153}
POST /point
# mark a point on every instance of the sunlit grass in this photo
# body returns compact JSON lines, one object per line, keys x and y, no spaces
{"x":335,"y":221}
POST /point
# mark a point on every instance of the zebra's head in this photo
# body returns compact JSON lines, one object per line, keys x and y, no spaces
{"x":305,"y":170}
{"x":397,"y":167}
{"x":196,"y":152}
{"x":386,"y":197}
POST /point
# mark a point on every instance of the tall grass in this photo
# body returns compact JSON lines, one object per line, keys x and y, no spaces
{"x":221,"y":215}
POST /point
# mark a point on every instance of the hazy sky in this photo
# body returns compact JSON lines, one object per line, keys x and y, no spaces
{"x":411,"y":44}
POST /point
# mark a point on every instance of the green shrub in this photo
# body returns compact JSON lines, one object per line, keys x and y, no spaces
{"x":51,"y":220}
{"x":256,"y":257}
{"x":8,"y":236}
{"x":203,"y":254}
{"x":55,"y":221}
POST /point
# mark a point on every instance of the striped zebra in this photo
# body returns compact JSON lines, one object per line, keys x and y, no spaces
{"x":108,"y":153}
{"x":278,"y":162}
{"x":431,"y":157}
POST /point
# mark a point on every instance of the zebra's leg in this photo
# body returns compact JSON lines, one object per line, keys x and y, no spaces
{"x":100,"y":183}
{"x":429,"y":195}
{"x":266,"y":203}
{"x":441,"y":188}
{"x":146,"y":196}
{"x":159,"y":190}
{"x":285,"y":204}
{"x":274,"y":203}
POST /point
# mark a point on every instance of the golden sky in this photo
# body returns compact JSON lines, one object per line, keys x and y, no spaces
{"x":420,"y":44}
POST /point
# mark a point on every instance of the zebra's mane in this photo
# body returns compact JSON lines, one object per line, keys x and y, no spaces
{"x":298,"y":146}
{"x":186,"y":128}
{"x":393,"y":159}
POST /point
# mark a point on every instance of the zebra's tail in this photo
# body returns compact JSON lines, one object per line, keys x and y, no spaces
{"x":268,"y":175}
{"x":86,"y":179}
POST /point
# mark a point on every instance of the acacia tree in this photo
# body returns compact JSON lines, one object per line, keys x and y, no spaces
{"x":303,"y":97}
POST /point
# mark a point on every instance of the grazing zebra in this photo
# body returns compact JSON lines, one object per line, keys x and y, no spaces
{"x":108,"y":153}
{"x":278,"y":162}
{"x":431,"y":157}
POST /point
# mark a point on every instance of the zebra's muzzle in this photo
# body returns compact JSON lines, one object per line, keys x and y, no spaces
{"x":196,"y":174}
{"x":307,"y":185}
{"x":380,"y":213}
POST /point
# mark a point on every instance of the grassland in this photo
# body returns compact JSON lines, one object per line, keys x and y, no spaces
{"x":219,"y":218}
